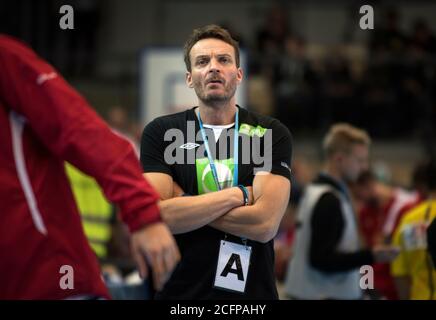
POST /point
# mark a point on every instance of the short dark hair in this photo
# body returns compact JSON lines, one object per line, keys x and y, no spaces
{"x":210,"y":31}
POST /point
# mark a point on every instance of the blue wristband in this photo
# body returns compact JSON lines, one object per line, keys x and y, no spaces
{"x":245,"y":194}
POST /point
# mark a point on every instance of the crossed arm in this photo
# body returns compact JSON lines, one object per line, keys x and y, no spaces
{"x":224,"y":209}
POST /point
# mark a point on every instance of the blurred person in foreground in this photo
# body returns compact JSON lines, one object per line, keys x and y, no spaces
{"x":44,"y":253}
{"x":328,"y":254}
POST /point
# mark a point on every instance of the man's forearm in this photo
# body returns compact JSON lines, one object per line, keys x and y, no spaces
{"x":261,"y":220}
{"x":248,"y":222}
{"x":184,"y":214}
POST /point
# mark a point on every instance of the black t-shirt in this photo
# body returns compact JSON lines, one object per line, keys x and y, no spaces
{"x":173,"y":145}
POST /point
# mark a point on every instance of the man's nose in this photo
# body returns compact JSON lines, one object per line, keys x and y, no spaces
{"x":214,"y":66}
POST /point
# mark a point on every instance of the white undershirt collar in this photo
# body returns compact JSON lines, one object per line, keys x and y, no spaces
{"x":217,"y":129}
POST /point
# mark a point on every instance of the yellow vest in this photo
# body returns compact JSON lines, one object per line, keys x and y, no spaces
{"x":414,"y":260}
{"x":97,"y":213}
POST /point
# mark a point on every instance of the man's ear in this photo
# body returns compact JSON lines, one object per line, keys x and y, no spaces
{"x":338,"y":157}
{"x":189,"y":79}
{"x":239,"y":75}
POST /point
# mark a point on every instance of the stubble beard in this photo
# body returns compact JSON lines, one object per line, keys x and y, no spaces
{"x":216,"y":99}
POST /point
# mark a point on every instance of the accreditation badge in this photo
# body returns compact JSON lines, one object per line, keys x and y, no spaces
{"x":232,"y":268}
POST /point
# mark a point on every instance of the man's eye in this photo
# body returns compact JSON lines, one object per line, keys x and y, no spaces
{"x":225,"y":60}
{"x":202,"y":62}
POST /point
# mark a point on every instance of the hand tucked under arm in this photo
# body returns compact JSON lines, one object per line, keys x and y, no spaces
{"x":261,"y":220}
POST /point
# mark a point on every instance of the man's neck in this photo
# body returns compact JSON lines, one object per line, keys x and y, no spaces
{"x":217,"y":114}
{"x":331,"y":170}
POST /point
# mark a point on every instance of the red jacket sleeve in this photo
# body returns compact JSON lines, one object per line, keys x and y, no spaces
{"x":71,"y":130}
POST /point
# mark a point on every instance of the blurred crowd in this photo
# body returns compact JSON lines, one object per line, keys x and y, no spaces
{"x":388,"y":90}
{"x":386,"y":214}
{"x":385,"y":84}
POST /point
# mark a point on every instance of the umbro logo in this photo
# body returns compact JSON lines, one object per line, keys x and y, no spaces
{"x":189,"y":145}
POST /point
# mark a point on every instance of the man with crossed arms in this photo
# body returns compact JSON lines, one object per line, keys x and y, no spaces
{"x":229,"y":212}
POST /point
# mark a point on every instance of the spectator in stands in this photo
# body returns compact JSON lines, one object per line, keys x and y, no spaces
{"x":328,"y":254}
{"x":381,"y":207}
{"x":295,"y":86}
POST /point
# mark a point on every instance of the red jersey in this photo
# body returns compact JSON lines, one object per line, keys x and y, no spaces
{"x":43,"y":121}
{"x":377,"y":225}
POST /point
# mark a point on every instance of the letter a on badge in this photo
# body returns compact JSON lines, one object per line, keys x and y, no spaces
{"x":234,"y":259}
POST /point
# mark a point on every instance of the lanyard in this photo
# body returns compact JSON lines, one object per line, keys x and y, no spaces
{"x":235,"y":151}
